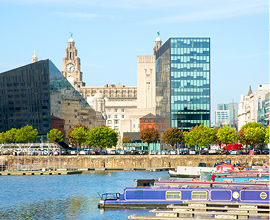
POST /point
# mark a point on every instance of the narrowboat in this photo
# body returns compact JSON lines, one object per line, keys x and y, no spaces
{"x":159,"y":194}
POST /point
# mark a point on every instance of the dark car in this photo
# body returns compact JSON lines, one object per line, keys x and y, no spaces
{"x":224,"y":151}
{"x":265,"y":151}
{"x":256,"y":151}
{"x":183,"y":151}
{"x":204,"y":151}
{"x":245,"y":151}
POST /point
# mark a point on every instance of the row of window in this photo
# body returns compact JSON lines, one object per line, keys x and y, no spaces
{"x":195,"y":195}
{"x":119,"y":96}
{"x":116,"y":116}
{"x":110,"y":91}
{"x":116,"y":110}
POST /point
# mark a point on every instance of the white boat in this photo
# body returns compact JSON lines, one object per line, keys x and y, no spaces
{"x":190,"y":171}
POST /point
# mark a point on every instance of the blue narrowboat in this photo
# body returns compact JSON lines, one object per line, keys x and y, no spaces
{"x":159,"y":194}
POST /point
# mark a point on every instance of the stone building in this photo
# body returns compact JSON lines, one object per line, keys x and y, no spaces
{"x":249,"y":105}
{"x":121,"y":106}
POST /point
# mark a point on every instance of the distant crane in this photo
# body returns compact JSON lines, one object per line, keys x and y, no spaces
{"x":233,"y":114}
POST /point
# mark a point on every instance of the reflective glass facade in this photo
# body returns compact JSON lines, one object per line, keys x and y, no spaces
{"x":31,"y":94}
{"x":183,"y":82}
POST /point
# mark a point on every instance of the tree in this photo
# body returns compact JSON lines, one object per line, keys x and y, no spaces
{"x":267,"y":135}
{"x":26,"y":134}
{"x":149,"y":135}
{"x":172,"y":135}
{"x":78,"y":136}
{"x":216,"y":140}
{"x":241,"y":133}
{"x":126,"y":139}
{"x":227,"y":135}
{"x":254,"y":135}
{"x":10,"y":136}
{"x":199,"y":136}
{"x":55,"y":135}
{"x":71,"y":140}
{"x":101,"y":137}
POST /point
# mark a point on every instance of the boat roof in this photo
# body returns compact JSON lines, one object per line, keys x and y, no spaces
{"x":254,"y":183}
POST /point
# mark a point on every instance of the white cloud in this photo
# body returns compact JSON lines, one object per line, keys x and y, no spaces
{"x":86,"y":15}
{"x":221,"y":10}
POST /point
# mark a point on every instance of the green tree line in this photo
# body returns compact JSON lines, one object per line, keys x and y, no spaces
{"x":250,"y":134}
{"x":79,"y":135}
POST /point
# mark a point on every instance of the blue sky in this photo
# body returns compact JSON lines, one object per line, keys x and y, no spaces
{"x":109,"y":35}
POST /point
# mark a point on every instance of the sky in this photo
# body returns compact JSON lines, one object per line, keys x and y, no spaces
{"x":110,"y":34}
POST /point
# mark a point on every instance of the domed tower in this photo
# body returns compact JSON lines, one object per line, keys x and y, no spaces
{"x":158,"y":44}
{"x":34,"y":58}
{"x":72,"y":64}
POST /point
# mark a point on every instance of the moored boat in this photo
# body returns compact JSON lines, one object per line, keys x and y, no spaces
{"x":159,"y":194}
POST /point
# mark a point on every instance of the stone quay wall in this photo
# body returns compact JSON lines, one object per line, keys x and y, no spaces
{"x":125,"y":161}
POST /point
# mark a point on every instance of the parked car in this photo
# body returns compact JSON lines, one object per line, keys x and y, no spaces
{"x":212,"y":151}
{"x":224,"y":151}
{"x":172,"y":152}
{"x":193,"y":152}
{"x":183,"y":151}
{"x":82,"y":152}
{"x":265,"y":151}
{"x":256,"y":151}
{"x":152,"y":152}
{"x":235,"y":152}
{"x":164,"y":152}
{"x":245,"y":151}
{"x":204,"y":151}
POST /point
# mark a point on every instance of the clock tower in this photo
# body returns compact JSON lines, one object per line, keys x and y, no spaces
{"x":72,"y":65}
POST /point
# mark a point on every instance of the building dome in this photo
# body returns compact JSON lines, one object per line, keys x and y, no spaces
{"x":77,"y":58}
{"x":71,"y":80}
{"x":158,"y":39}
{"x":99,"y":95}
{"x":71,"y":40}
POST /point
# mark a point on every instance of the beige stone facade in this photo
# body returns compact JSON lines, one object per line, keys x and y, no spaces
{"x":72,"y":64}
{"x":124,"y":106}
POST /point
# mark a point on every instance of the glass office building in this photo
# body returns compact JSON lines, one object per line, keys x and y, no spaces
{"x":183,"y":82}
{"x":32,"y":94}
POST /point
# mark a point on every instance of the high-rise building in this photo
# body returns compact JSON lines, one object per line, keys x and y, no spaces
{"x":183,"y":82}
{"x":37,"y":94}
{"x":226,"y":114}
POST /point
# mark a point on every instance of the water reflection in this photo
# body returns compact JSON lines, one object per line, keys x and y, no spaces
{"x":70,"y":208}
{"x":66,"y":196}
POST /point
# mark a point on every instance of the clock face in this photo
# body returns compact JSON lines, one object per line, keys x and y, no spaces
{"x":70,"y":68}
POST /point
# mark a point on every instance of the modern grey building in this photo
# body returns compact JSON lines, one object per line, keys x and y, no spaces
{"x":183,"y":82}
{"x":32,"y":94}
{"x":227,"y":114}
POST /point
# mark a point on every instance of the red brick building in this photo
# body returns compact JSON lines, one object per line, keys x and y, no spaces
{"x":58,"y":123}
{"x":152,"y":121}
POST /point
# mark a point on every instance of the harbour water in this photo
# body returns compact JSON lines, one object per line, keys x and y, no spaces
{"x":67,"y":196}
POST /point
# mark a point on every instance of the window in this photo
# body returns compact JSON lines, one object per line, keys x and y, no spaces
{"x":173,"y":195}
{"x":199,"y":195}
{"x":109,"y":110}
{"x":115,"y":116}
{"x":109,"y":121}
{"x":123,"y":110}
{"x":116,"y":128}
{"x":122,"y":116}
{"x":109,"y":116}
{"x":115,"y":110}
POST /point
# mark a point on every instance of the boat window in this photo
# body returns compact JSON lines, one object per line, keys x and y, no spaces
{"x":173,"y":195}
{"x":199,"y":195}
